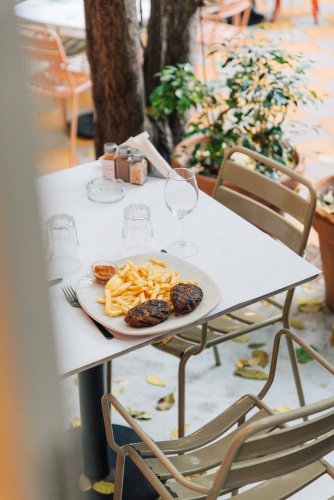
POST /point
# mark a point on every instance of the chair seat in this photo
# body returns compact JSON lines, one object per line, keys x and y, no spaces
{"x":278,"y":488}
{"x":53,"y":82}
{"x":204,"y":457}
{"x":245,"y":319}
{"x":212,"y":32}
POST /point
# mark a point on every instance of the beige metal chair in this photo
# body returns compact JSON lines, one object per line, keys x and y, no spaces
{"x":51,"y":75}
{"x":213,"y":29}
{"x":232,"y":177}
{"x":237,"y":448}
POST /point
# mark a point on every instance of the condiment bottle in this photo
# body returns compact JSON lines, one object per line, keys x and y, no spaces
{"x":108,"y":160}
{"x":138,"y":168}
{"x":122,"y":163}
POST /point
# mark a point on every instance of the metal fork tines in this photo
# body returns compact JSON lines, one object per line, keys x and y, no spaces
{"x":72,"y":299}
{"x":70,"y":295}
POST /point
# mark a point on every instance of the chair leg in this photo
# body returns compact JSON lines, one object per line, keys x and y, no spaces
{"x":294,"y":365}
{"x":276,"y":10}
{"x":119,"y":475}
{"x":216,"y":355}
{"x":64,"y":112}
{"x":109,"y":376}
{"x":315,"y":10}
{"x":182,"y":395}
{"x":74,"y":129}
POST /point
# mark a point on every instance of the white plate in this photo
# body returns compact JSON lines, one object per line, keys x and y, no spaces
{"x":88,"y":291}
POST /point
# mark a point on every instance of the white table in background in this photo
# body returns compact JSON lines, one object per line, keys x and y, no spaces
{"x":245,"y":263}
{"x":65,"y":16}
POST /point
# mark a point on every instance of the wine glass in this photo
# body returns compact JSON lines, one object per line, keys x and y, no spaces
{"x":181,"y":195}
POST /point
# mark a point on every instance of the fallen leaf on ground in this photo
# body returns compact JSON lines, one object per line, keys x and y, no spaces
{"x":121,"y":381}
{"x":251,"y":373}
{"x":85,"y":484}
{"x":296,"y":323}
{"x":139,"y":414}
{"x":76,"y":422}
{"x":265,"y":303}
{"x":331,"y":337}
{"x":198,"y":474}
{"x":165,"y":340}
{"x":241,"y":362}
{"x":303,"y":356}
{"x":243,"y":339}
{"x":166,"y":402}
{"x":256,"y":345}
{"x":261,"y":356}
{"x":104,"y":487}
{"x":117,"y":391}
{"x":175,"y":432}
{"x":310,"y":304}
{"x":153,"y":380}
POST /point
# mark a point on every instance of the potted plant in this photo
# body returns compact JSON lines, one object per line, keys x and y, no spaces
{"x":324,"y":225}
{"x":249,"y":106}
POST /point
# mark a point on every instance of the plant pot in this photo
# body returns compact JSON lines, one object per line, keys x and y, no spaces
{"x":183,"y":151}
{"x":323,"y":223}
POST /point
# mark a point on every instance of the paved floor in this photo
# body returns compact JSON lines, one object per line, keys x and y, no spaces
{"x":210,"y":389}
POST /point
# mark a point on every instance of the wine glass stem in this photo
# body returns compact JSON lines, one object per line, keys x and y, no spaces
{"x":181,"y":231}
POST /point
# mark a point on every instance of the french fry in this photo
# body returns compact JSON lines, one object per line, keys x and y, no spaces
{"x":158,"y":262}
{"x":134,"y":284}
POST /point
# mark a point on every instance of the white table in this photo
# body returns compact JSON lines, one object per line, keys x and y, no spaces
{"x":66,"y":16}
{"x":245,"y":263}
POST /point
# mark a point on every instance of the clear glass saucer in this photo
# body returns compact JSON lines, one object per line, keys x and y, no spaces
{"x":101,"y":190}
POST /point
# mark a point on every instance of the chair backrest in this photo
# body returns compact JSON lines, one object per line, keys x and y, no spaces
{"x":255,"y":454}
{"x":263,"y":201}
{"x":44,"y":49}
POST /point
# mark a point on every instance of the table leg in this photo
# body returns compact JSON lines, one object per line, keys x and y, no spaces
{"x":94,"y":442}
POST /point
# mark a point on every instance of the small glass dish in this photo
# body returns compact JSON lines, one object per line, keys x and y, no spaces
{"x":103,"y":270}
{"x":101,"y":190}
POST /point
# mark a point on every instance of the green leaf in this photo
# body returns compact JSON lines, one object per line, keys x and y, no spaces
{"x":303,"y":356}
{"x":251,"y":373}
{"x":256,"y":345}
{"x":166,"y":403}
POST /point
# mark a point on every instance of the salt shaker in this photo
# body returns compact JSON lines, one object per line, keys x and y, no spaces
{"x":138,"y":168}
{"x":122,"y":163}
{"x":108,"y":160}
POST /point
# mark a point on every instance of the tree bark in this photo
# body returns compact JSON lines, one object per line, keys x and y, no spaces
{"x":114,"y":55}
{"x":171,"y":38}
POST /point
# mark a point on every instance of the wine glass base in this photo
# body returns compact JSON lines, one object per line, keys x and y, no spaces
{"x":183,"y":249}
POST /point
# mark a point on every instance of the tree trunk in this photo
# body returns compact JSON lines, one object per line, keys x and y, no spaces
{"x":171,"y":38}
{"x":114,"y":55}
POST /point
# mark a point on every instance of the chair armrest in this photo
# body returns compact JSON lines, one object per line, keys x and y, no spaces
{"x":109,"y":400}
{"x":315,"y":355}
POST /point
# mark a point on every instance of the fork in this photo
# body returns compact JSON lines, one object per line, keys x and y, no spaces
{"x":72,"y":299}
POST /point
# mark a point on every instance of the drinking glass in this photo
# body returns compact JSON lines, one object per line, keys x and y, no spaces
{"x":181,"y":195}
{"x":62,"y":245}
{"x":137,"y":229}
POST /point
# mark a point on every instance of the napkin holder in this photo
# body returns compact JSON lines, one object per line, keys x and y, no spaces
{"x":160,"y":167}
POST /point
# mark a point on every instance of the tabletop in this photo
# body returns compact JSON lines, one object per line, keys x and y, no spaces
{"x":66,"y":16}
{"x":245,"y":263}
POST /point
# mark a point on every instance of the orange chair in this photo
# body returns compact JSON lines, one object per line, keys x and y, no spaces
{"x":51,"y":74}
{"x":315,"y":10}
{"x":213,"y":29}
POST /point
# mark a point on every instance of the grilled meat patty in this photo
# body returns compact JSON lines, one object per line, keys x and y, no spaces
{"x":149,"y":313}
{"x":185,"y":298}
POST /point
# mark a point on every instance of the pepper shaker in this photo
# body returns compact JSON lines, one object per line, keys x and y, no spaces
{"x":122,"y":163}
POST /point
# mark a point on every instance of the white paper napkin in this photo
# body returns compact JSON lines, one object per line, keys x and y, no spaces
{"x":142,"y":142}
